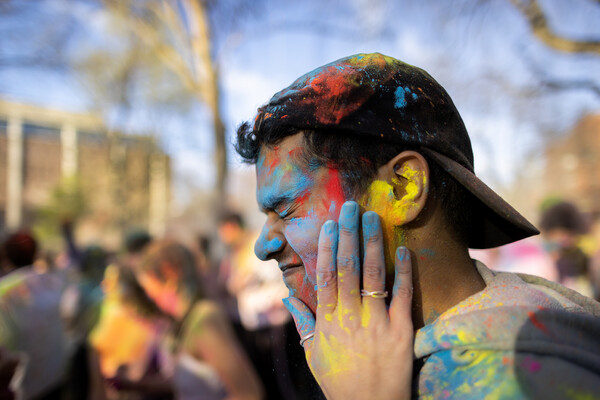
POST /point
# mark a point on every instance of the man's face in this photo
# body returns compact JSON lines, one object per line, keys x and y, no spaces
{"x":297,"y":200}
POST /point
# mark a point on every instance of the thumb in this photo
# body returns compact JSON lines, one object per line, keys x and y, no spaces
{"x":303,"y":317}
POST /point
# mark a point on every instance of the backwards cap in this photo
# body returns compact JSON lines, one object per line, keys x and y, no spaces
{"x":373,"y":95}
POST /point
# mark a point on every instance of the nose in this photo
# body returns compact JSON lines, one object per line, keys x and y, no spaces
{"x":269,"y":242}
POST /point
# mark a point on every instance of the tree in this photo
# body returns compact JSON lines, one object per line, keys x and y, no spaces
{"x":542,"y":30}
{"x":173,"y":37}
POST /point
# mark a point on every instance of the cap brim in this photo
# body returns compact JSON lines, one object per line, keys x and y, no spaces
{"x":495,"y":222}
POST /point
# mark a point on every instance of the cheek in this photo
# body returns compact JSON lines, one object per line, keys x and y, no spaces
{"x":302,"y":235}
{"x":335,"y":196}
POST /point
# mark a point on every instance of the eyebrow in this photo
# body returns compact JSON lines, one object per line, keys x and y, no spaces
{"x":271,"y":202}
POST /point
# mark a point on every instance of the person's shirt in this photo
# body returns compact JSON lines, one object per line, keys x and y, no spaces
{"x":30,"y":323}
{"x":124,"y":334}
{"x":520,"y":337}
{"x":209,"y":362}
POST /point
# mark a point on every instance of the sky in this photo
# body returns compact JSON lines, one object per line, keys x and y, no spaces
{"x":480,"y":55}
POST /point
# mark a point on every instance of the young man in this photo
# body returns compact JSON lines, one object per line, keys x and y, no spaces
{"x":370,"y":135}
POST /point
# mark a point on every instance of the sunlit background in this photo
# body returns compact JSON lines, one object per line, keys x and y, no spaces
{"x":122,"y":113}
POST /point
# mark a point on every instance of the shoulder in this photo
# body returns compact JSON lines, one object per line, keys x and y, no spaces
{"x":505,"y":374}
{"x":511,"y":352}
{"x":522,"y":290}
{"x":204,"y":314}
{"x":205,"y":325}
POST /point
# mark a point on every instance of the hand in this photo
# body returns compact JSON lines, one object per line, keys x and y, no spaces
{"x":360,"y":349}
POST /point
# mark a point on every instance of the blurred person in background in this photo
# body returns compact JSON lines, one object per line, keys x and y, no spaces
{"x":80,"y":309}
{"x":30,"y":321}
{"x":130,"y":329}
{"x":562,"y":226}
{"x":209,"y":362}
{"x":9,"y":363}
{"x":526,"y":256}
{"x":594,"y":248}
{"x":208,"y":268}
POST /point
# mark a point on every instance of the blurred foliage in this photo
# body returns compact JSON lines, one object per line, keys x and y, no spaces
{"x":66,"y":204}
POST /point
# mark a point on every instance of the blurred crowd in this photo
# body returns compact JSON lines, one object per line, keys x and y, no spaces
{"x":157,"y":319}
{"x":567,"y":251}
{"x":164,"y":319}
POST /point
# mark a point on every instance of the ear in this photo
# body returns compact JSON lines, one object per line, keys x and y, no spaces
{"x":400,"y":190}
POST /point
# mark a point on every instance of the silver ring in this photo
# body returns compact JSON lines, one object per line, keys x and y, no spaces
{"x":305,"y":338}
{"x":376,"y":294}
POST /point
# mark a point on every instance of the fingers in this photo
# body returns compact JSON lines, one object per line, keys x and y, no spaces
{"x":303,"y":317}
{"x":348,"y":264}
{"x":326,"y":270}
{"x":400,"y":308}
{"x":373,"y":267}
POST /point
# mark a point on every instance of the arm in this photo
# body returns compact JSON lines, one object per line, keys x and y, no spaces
{"x":72,"y":250}
{"x":360,"y":349}
{"x":210,"y":338}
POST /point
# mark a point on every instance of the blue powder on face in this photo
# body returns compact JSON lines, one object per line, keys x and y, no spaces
{"x":264,"y":247}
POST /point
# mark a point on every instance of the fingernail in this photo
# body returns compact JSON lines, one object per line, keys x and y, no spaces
{"x":350,"y":208}
{"x":370,"y":224}
{"x":401,"y":253}
{"x":330,"y":227}
{"x":348,"y":215}
{"x":370,"y":218}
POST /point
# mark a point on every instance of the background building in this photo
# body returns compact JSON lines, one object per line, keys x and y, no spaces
{"x":57,"y":165}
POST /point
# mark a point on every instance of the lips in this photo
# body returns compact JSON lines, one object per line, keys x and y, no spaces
{"x":286,"y":267}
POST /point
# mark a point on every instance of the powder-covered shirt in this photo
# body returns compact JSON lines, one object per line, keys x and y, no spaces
{"x":522,"y":337}
{"x":30,"y":324}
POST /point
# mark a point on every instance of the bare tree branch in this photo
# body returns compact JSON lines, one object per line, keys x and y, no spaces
{"x":538,"y":22}
{"x":167,"y":54}
{"x":554,"y":83}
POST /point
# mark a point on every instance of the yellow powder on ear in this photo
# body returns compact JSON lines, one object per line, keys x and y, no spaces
{"x":412,"y":189}
{"x":380,"y":196}
{"x":381,"y":199}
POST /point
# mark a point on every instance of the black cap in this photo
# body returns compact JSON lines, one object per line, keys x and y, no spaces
{"x":378,"y":96}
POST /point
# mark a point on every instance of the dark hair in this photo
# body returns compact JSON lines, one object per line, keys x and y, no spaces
{"x":20,"y":248}
{"x":563,"y":215}
{"x":132,"y":294}
{"x":137,"y":240}
{"x":234,"y":217}
{"x":93,"y":262}
{"x":358,"y":158}
{"x":180,"y":260}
